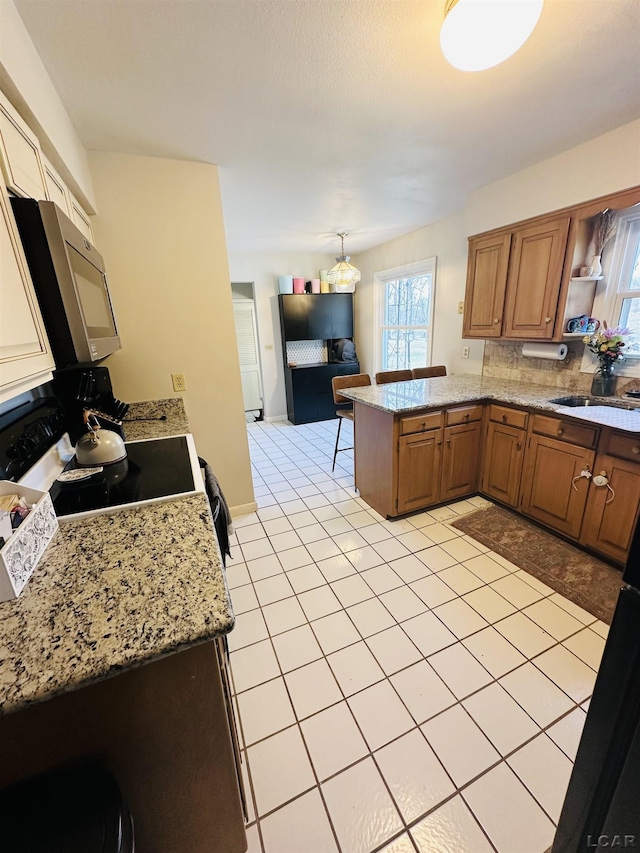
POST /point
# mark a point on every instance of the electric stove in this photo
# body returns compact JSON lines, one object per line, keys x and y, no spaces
{"x":35,"y":449}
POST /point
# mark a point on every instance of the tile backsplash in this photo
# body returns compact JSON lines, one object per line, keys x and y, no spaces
{"x":306,"y":352}
{"x":504,"y":360}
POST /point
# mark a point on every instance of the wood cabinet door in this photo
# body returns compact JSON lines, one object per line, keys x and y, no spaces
{"x":533,"y":283}
{"x":25,"y":355}
{"x":503,"y":463}
{"x":610,"y":517}
{"x":20,"y":155}
{"x":419,"y":464}
{"x":486,"y":284}
{"x":550,"y":492}
{"x":460,"y":458}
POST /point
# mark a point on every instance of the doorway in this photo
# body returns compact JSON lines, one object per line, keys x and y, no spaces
{"x":244,"y":317}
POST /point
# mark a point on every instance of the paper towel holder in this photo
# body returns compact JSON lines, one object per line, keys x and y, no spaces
{"x":550,"y":351}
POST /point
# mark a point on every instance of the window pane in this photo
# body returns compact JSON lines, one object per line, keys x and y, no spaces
{"x":634,"y":284}
{"x":404,"y":348}
{"x":408,"y":301}
{"x":630,"y":317}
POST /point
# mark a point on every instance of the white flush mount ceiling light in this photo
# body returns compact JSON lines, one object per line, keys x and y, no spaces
{"x":478,"y":34}
{"x":343,"y":276}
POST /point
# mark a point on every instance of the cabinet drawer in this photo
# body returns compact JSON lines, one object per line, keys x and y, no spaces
{"x":583,"y":436}
{"x":464,"y":415}
{"x":624,"y":446}
{"x":420,"y":423}
{"x":510,"y":417}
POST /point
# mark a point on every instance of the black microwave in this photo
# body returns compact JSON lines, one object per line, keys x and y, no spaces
{"x":70,"y":282}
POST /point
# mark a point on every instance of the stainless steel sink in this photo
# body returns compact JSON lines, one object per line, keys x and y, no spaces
{"x":580,"y":402}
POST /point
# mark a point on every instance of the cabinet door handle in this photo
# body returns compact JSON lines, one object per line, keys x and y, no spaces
{"x":560,"y":431}
{"x":504,"y":419}
{"x":423,"y":425}
{"x":635,"y":450}
{"x":519,"y":446}
{"x":438,"y":443}
{"x":547,"y":319}
{"x":466,"y":418}
{"x":496,"y":320}
{"x":449,"y":441}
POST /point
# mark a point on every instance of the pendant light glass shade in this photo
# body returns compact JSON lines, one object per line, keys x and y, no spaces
{"x":478,"y":34}
{"x":343,"y":276}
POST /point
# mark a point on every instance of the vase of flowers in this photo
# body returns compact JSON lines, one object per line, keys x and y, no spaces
{"x":607,"y":346}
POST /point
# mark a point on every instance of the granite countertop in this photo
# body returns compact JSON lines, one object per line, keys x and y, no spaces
{"x":442,"y":391}
{"x":112,"y":592}
{"x":143,"y":419}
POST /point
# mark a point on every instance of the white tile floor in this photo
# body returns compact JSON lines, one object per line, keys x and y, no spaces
{"x":400,"y":688}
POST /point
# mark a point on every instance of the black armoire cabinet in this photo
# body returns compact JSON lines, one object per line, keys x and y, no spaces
{"x":314,"y":317}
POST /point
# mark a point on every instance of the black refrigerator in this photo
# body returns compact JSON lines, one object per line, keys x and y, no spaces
{"x":601,"y":811}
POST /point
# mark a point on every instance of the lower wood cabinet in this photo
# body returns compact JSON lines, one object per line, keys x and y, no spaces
{"x":460,"y":455}
{"x":553,"y":492}
{"x":419,"y":465}
{"x":436,"y":465}
{"x":503,"y":458}
{"x":611,"y":514}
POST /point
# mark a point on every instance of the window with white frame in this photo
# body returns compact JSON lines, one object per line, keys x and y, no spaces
{"x":404,"y":316}
{"x":619,"y":304}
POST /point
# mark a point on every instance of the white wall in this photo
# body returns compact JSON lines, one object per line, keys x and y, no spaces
{"x":24,"y":80}
{"x":446,"y":241}
{"x":161,"y":230}
{"x":603,"y":165}
{"x":263,"y":270}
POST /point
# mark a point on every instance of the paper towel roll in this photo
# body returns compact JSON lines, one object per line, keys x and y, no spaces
{"x":555,"y":352}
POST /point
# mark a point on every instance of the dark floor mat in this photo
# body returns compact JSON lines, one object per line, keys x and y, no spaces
{"x":587,"y":581}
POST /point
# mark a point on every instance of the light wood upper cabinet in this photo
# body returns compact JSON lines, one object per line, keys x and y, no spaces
{"x":535,"y":275}
{"x":20,"y":154}
{"x":81,"y":219}
{"x":25,"y":355}
{"x":486,"y":285}
{"x":56,"y":187}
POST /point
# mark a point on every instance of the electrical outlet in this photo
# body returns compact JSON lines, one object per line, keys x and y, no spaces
{"x":179,"y":382}
{"x":460,"y":307}
{"x":465,"y":352}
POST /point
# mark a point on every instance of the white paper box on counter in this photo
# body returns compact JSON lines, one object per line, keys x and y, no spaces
{"x":22,"y":552}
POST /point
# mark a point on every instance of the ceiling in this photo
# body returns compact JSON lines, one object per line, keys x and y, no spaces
{"x":332,"y":115}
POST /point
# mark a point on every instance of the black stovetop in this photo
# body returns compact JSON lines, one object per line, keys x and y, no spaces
{"x":152,"y":469}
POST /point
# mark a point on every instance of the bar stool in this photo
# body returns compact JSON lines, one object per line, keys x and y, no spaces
{"x":393,"y":376}
{"x":355,"y":380}
{"x":428,"y":372}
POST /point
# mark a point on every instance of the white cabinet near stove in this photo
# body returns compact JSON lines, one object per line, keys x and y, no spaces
{"x":25,"y":354}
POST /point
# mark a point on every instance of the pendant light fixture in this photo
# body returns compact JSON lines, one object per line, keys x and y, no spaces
{"x":344,"y":276}
{"x":478,"y":34}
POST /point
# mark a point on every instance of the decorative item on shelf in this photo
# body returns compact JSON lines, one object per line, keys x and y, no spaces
{"x":343,"y":277}
{"x":285,"y":283}
{"x":583,"y":324}
{"x":478,"y":34}
{"x":315,"y":285}
{"x":607,"y":345}
{"x":298,"y":285}
{"x":604,"y":227}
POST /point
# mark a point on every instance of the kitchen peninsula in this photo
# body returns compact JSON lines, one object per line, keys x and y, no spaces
{"x":425,"y":442}
{"x":114,"y":652}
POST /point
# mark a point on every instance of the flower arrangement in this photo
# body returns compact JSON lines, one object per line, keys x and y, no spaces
{"x":607,"y":345}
